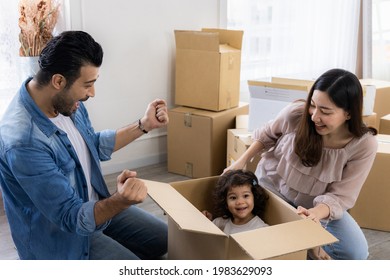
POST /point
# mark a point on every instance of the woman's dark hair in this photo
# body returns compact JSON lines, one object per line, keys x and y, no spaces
{"x":345,"y":91}
{"x":235,"y":178}
{"x":65,"y":54}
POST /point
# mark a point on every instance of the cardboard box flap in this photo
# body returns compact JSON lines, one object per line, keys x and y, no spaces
{"x":226,"y":48}
{"x":185,"y":215}
{"x":291,"y":86}
{"x":278,"y":240}
{"x":229,"y":37}
{"x":280,"y":80}
{"x":197,"y":40}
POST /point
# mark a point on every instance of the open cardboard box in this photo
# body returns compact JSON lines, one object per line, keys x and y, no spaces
{"x":192,"y":236}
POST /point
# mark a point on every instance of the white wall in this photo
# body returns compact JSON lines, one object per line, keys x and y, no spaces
{"x":138,"y":66}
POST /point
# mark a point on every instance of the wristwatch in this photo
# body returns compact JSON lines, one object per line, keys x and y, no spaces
{"x":141,"y":126}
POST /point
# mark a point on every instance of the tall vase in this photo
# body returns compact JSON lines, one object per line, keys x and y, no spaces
{"x":28,"y":67}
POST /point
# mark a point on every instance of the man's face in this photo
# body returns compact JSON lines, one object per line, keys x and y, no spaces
{"x":67,"y":101}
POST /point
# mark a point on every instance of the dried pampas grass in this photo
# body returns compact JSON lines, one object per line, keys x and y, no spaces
{"x":37,"y":19}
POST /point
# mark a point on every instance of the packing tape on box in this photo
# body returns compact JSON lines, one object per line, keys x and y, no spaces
{"x":188,"y":120}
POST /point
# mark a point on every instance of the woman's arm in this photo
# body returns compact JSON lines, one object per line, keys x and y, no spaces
{"x":255,"y":148}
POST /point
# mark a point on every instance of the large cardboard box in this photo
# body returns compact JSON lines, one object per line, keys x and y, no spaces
{"x":238,"y":141}
{"x":192,"y":236}
{"x":208,"y":65}
{"x":384,"y":127}
{"x":267,"y":98}
{"x":382,"y":96}
{"x":372,"y":208}
{"x":197,"y":140}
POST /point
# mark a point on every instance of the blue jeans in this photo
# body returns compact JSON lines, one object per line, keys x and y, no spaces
{"x":352,"y":243}
{"x":132,"y":235}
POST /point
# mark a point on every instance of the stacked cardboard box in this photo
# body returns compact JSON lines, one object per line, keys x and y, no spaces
{"x":238,"y":141}
{"x":382,"y":95}
{"x":385,"y":125}
{"x":197,"y":140}
{"x":372,"y":207}
{"x":208,"y":64}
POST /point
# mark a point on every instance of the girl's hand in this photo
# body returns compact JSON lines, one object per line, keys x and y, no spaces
{"x":208,"y":214}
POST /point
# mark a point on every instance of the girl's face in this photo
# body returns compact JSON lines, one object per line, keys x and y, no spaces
{"x":329,"y":120}
{"x":240,"y":203}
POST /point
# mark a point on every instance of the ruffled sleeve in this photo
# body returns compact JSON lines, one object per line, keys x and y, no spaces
{"x":342,"y":194}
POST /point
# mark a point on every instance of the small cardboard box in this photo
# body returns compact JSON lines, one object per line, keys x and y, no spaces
{"x":384,"y":126}
{"x":372,"y":207}
{"x":382,"y":96}
{"x":197,"y":140}
{"x":191,"y":236}
{"x":371,"y":120}
{"x":267,"y":98}
{"x":238,"y":141}
{"x":208,"y":65}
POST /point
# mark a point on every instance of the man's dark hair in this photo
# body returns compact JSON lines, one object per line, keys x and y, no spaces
{"x":65,"y":54}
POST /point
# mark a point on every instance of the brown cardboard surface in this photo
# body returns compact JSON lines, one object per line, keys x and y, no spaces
{"x":382,"y":96}
{"x":372,"y":207}
{"x":191,"y":236}
{"x":269,"y":237}
{"x":208,"y":65}
{"x":283,"y":83}
{"x":238,"y":141}
{"x":197,"y":140}
{"x":371,"y":120}
{"x":384,"y":126}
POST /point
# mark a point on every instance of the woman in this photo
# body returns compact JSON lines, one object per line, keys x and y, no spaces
{"x":317,"y":155}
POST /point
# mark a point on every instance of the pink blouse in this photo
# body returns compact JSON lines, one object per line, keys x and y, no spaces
{"x":335,"y":181}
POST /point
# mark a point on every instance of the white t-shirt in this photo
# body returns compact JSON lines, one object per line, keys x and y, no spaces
{"x":66,"y":124}
{"x":227,"y":226}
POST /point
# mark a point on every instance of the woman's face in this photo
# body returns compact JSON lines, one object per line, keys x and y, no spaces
{"x":328,"y":119}
{"x":240,"y":202}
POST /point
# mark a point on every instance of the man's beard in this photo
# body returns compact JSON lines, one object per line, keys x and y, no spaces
{"x":62,"y":105}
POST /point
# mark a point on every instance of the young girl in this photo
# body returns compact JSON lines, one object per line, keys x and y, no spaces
{"x":317,"y":155}
{"x":239,"y":202}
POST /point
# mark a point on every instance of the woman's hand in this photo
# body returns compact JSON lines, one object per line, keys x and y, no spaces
{"x":307,"y":213}
{"x":317,"y":213}
{"x":238,"y":164}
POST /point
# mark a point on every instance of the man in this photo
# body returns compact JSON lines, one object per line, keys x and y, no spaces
{"x":57,"y":203}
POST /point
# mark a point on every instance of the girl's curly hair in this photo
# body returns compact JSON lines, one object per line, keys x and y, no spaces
{"x":235,"y":178}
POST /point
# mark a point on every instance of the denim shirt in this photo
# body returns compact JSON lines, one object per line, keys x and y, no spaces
{"x":44,"y":188}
